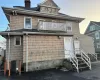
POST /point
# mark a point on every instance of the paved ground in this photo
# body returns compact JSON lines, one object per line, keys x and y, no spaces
{"x":94,"y":74}
{"x":53,"y":74}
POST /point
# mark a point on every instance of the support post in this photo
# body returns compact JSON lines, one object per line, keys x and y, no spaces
{"x":9,"y":71}
{"x":19,"y":67}
{"x":5,"y":67}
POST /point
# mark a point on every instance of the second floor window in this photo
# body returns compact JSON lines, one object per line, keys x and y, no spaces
{"x":28,"y":23}
{"x":97,"y":35}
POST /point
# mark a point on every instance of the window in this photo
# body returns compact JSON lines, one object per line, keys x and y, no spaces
{"x":17,"y":41}
{"x":69,"y":27}
{"x":28,"y":23}
{"x":92,"y":28}
{"x":97,"y":35}
{"x":98,"y":45}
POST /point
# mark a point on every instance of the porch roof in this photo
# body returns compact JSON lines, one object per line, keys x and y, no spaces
{"x":34,"y":32}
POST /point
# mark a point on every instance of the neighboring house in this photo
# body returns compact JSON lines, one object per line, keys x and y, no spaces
{"x":42,"y":37}
{"x":93,"y":30}
{"x":2,"y":52}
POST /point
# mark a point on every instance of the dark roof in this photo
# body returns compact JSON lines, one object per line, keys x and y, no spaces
{"x":98,"y":23}
{"x":22,"y":7}
{"x":26,"y":11}
{"x":34,"y":30}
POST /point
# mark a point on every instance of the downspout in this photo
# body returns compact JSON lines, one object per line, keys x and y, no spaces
{"x":8,"y":51}
{"x":27,"y":52}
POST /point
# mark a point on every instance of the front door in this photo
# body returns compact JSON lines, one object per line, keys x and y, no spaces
{"x":77,"y":46}
{"x":68,"y":45}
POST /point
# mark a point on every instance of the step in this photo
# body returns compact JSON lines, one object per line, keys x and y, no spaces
{"x":82,"y":65}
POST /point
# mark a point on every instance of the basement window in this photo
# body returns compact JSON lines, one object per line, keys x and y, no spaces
{"x":17,"y":41}
{"x":28,"y":23}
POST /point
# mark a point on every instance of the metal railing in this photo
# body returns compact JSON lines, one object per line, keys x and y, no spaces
{"x":74,"y":60}
{"x":86,"y":59}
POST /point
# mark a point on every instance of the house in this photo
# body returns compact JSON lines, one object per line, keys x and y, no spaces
{"x":42,"y":37}
{"x":2,"y":51}
{"x":93,"y":30}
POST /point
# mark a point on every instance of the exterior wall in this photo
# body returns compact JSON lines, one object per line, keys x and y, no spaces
{"x":96,"y":41}
{"x":17,"y":22}
{"x":16,"y":52}
{"x":41,"y":48}
{"x":40,"y":65}
{"x":86,"y":43}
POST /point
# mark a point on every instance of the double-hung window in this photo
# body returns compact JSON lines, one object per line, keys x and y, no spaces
{"x":17,"y":41}
{"x":28,"y":23}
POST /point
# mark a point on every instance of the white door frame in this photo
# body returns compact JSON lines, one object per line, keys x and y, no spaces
{"x":69,"y":47}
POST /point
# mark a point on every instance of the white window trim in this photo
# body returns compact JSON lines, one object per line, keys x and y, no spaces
{"x":15,"y":41}
{"x":25,"y":21}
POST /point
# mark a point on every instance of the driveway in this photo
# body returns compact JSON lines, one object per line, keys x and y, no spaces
{"x":44,"y":75}
{"x":54,"y":74}
{"x":94,"y":74}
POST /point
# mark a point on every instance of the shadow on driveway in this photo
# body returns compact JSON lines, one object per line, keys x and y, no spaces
{"x":51,"y":74}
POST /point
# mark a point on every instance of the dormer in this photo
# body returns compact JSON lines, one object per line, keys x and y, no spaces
{"x":49,"y":6}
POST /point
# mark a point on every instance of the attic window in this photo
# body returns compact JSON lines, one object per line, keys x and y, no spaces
{"x":92,"y":28}
{"x":28,"y":23}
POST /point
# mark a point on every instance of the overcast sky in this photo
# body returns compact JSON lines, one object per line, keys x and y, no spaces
{"x":88,"y":9}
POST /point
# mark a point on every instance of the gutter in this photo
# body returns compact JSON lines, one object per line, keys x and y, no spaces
{"x":8,"y":52}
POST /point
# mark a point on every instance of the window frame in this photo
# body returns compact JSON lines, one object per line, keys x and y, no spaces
{"x":96,"y":35}
{"x":15,"y":41}
{"x":25,"y":23}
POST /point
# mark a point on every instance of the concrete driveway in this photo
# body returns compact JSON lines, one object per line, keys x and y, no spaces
{"x":54,"y":74}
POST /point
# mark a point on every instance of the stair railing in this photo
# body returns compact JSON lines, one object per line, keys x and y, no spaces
{"x":74,"y":60}
{"x":86,"y":59}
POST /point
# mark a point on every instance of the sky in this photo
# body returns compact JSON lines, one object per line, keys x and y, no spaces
{"x":88,"y":9}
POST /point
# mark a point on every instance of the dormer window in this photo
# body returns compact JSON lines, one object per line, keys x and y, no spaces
{"x":28,"y":23}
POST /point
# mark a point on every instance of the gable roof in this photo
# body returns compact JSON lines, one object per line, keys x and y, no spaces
{"x":44,"y":3}
{"x":94,"y":23}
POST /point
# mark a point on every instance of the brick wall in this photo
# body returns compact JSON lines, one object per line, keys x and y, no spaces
{"x":41,"y":48}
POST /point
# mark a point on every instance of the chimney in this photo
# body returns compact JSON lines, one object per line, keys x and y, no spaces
{"x":27,"y":3}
